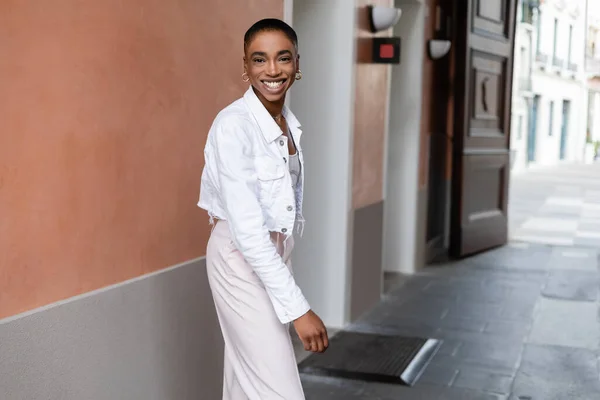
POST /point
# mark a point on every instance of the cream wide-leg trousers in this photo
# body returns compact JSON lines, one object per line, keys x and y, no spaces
{"x":259,"y":357}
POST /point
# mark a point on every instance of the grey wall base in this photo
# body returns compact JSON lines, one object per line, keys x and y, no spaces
{"x":367,"y":268}
{"x":152,"y":338}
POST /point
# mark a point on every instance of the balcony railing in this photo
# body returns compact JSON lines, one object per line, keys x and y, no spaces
{"x":557,"y":62}
{"x":525,"y":84}
{"x":592,"y":65}
{"x":572,"y":67}
{"x":541,"y":57}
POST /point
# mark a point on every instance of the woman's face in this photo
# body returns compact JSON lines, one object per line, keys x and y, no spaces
{"x":271,"y":63}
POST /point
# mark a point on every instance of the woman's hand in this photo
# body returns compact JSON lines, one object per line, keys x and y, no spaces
{"x":312,"y":332}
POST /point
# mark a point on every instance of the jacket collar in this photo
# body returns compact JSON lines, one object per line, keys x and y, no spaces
{"x":267,"y":124}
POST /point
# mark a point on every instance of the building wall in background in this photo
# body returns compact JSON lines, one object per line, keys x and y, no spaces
{"x":558,"y":75}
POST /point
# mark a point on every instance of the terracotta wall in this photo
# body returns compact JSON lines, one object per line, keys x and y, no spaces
{"x":104,"y":112}
{"x":372,"y":87}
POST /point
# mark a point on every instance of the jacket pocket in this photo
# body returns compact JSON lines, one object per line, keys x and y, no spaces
{"x":270,"y":175}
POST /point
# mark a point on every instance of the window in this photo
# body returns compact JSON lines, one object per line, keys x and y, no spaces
{"x":520,"y":128}
{"x":527,"y":11}
{"x":555,"y":37}
{"x":550,"y":118}
{"x":538,"y":32}
{"x":570,"y":44}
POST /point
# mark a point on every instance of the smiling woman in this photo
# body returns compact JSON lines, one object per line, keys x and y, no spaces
{"x":252,"y":188}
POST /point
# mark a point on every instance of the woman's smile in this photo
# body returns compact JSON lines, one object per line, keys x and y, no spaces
{"x":274,"y":86}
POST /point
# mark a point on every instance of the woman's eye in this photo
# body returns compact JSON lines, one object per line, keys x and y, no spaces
{"x":285,"y":59}
{"x":258,"y":60}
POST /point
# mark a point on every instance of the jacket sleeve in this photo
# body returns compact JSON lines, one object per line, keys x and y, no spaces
{"x":237,"y":178}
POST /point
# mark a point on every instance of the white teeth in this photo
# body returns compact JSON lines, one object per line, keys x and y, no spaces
{"x":274,"y":85}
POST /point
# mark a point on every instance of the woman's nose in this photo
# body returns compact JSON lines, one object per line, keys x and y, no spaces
{"x":273,"y":69}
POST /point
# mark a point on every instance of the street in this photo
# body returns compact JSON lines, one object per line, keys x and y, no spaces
{"x":518,"y":323}
{"x":559,"y":205}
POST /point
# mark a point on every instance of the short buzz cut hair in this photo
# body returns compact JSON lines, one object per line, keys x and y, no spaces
{"x":270,"y":24}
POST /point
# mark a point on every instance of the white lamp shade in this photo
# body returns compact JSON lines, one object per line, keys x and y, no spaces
{"x":438,"y":48}
{"x":383,"y":18}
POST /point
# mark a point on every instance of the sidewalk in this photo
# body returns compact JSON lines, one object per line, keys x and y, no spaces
{"x":522,"y":319}
{"x":518,"y":323}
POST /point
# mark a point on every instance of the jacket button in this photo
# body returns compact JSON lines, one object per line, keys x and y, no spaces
{"x":281,"y":142}
{"x":284,"y":230}
{"x":290,"y":208}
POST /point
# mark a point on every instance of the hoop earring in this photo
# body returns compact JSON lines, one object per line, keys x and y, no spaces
{"x":298,"y":75}
{"x":247,"y":78}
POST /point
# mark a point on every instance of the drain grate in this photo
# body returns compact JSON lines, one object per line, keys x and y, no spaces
{"x":373,"y":357}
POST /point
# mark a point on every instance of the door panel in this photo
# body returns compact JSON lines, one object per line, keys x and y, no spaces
{"x":484,"y":218}
{"x":484,"y":41}
{"x":490,"y":17}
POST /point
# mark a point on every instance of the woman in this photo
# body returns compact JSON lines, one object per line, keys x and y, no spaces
{"x":252,"y":187}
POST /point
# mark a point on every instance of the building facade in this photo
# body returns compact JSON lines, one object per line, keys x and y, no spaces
{"x":549,"y":117}
{"x":592,"y":69}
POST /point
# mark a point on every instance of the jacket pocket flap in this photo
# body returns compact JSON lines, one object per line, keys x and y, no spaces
{"x":268,"y":169}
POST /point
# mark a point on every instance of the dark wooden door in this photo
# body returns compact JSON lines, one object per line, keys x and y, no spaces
{"x":484,"y":42}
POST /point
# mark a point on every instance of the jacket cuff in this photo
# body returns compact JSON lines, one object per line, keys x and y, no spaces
{"x":299,"y":310}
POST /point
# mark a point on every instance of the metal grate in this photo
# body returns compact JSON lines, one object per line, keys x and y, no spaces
{"x":373,"y":357}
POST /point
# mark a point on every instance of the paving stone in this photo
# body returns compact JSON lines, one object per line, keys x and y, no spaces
{"x":475,"y":310}
{"x":322,"y":388}
{"x":494,"y":356}
{"x":572,"y":285}
{"x":507,"y":257}
{"x":587,"y":242}
{"x":560,"y":364}
{"x":436,"y":374}
{"x":566,"y":323}
{"x":449,"y":347}
{"x":498,"y":354}
{"x":505,"y":328}
{"x":589,"y":226}
{"x":527,"y":387}
{"x":424,"y":392}
{"x":454,"y":288}
{"x":578,"y":259}
{"x":481,"y":379}
{"x":461,"y":324}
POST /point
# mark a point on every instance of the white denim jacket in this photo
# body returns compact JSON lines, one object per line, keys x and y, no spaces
{"x":246,"y":181}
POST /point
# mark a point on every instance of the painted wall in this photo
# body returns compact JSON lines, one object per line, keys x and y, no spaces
{"x":371,"y":102}
{"x":103,"y":118}
{"x":323,"y":101}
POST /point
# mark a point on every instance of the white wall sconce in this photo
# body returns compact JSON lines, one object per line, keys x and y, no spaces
{"x":382,"y":18}
{"x":438,"y":48}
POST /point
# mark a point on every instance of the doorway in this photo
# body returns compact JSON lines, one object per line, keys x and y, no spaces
{"x":564,"y":128}
{"x":532,"y":132}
